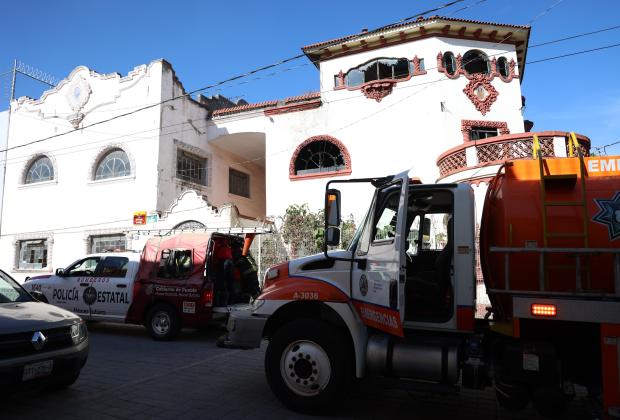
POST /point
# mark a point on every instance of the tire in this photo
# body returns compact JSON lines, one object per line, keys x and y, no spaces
{"x":163,"y":322}
{"x":308,"y":366}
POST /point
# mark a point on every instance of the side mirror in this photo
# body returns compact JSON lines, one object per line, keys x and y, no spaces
{"x":332,"y":208}
{"x":38,"y":295}
{"x":60,"y":272}
{"x":332,"y":236}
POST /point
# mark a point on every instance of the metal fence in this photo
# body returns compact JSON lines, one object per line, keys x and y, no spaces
{"x":270,"y":249}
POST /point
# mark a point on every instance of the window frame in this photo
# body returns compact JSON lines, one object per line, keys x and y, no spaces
{"x":345,"y":78}
{"x":38,"y":158}
{"x":101,"y":159}
{"x":482,"y":129}
{"x":45,"y":257}
{"x":347,"y":170}
{"x":233,"y":172}
{"x":199,"y":160}
{"x":93,"y":238}
{"x":479,"y":53}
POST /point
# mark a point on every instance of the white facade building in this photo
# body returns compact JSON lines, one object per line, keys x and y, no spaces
{"x":72,"y":189}
{"x":439,"y":95}
{"x":390,"y":100}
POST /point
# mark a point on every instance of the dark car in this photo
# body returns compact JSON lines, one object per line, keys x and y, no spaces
{"x":40,"y":345}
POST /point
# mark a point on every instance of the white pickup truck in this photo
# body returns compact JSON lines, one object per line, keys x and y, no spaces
{"x":96,"y":287}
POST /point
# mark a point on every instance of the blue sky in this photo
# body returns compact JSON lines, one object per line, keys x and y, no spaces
{"x":207,"y":41}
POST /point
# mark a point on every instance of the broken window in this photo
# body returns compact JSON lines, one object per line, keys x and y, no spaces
{"x":382,"y":68}
{"x":32,"y":254}
{"x":319,"y":156}
{"x":502,"y":67}
{"x":475,"y":61}
{"x":449,"y":63}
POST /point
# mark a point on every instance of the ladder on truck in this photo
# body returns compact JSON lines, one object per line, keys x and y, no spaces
{"x":551,"y":182}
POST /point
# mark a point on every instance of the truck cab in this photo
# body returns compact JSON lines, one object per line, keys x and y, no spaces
{"x":399,"y":302}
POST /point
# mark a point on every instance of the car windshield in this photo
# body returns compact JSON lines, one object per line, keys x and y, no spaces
{"x":10,"y":291}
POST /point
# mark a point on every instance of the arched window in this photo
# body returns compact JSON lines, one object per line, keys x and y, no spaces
{"x":318,"y":156}
{"x":449,"y":63}
{"x":382,"y":68}
{"x":41,"y":169}
{"x":113,"y":164}
{"x":502,"y":67}
{"x":475,"y":61}
{"x":189,"y":225}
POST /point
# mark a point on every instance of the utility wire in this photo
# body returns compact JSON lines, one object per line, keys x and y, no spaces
{"x":333,"y":131}
{"x":188,"y":94}
{"x":573,"y":53}
{"x":245,"y":115}
{"x":574,"y":37}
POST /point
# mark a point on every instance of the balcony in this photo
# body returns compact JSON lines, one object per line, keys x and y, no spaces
{"x":481,"y":158}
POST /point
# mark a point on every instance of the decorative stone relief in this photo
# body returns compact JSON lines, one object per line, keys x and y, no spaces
{"x":77,"y":96}
{"x":481,"y":92}
{"x":378,"y":90}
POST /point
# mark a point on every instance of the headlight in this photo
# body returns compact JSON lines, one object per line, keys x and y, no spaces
{"x":78,"y":332}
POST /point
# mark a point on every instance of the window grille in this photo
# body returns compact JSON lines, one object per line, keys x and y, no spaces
{"x":238,"y":183}
{"x":191,"y":168}
{"x":40,"y":170}
{"x":113,"y":165}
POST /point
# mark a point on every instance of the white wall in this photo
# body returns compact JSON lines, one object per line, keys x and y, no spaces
{"x":4,"y":125}
{"x":73,"y":205}
{"x":407,"y":129}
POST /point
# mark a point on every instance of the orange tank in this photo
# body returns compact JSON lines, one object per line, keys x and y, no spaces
{"x":578,"y":215}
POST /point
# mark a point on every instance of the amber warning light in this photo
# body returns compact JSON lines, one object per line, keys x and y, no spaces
{"x":540,"y":309}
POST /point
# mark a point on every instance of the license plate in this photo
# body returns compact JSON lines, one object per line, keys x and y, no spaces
{"x":36,"y":370}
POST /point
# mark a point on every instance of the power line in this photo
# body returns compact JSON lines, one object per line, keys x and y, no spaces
{"x":573,"y":53}
{"x":245,"y":115}
{"x":341,"y":128}
{"x":574,"y":37}
{"x":188,"y":94}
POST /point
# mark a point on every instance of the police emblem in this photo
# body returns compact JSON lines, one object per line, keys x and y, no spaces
{"x":609,"y":215}
{"x":89,"y":295}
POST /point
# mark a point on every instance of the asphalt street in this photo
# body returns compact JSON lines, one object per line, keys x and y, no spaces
{"x":129,"y":376}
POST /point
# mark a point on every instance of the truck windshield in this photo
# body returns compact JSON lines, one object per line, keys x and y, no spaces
{"x":10,"y":291}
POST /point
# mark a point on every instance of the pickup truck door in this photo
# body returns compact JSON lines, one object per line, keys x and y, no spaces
{"x":114,"y":286}
{"x":378,"y":276}
{"x":71,"y":290}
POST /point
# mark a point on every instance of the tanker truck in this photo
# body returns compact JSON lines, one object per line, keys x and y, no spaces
{"x":399,"y":303}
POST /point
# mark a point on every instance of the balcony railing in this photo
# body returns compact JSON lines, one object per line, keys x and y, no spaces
{"x":499,"y":149}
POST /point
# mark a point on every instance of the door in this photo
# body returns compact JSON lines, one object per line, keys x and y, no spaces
{"x":114,"y":281}
{"x":73,"y":288}
{"x":378,"y":276}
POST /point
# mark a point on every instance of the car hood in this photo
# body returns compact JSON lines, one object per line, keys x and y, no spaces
{"x":32,"y":316}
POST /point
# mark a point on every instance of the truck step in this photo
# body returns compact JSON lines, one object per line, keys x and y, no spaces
{"x":416,"y":386}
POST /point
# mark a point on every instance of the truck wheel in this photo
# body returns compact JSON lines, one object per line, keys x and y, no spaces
{"x":163,"y":323}
{"x":307,"y":365}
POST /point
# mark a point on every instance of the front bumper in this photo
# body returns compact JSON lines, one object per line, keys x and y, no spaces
{"x":245,"y":328}
{"x":66,"y":361}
